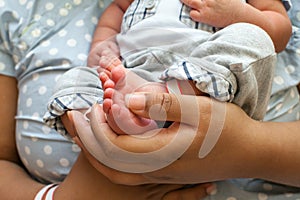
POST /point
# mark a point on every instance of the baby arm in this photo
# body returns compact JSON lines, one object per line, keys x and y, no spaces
{"x":270,"y":15}
{"x":108,"y":26}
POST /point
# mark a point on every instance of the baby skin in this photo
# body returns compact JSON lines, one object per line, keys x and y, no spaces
{"x":116,"y":83}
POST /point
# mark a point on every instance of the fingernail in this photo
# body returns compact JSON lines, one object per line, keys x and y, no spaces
{"x":135,"y":101}
{"x":212,"y":189}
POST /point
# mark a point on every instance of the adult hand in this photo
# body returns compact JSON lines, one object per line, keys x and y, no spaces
{"x":198,"y":191}
{"x":233,"y":150}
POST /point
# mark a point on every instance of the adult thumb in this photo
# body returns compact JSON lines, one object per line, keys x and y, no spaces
{"x":166,"y":106}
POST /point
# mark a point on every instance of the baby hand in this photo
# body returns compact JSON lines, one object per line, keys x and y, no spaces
{"x":217,"y":13}
{"x":98,"y":50}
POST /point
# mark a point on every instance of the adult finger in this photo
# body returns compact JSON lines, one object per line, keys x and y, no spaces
{"x":94,"y":152}
{"x":84,"y":132}
{"x":169,"y":107}
{"x":148,"y":152}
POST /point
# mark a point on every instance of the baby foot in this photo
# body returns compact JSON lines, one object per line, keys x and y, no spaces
{"x":117,"y":82}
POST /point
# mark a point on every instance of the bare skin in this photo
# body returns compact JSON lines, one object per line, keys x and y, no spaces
{"x":234,"y":150}
{"x":269,"y":15}
{"x":83,"y":182}
{"x":117,"y":82}
{"x":146,"y":191}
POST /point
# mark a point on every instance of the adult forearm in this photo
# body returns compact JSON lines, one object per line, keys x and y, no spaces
{"x":252,"y":149}
{"x":15,"y":183}
{"x":282,"y":142}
